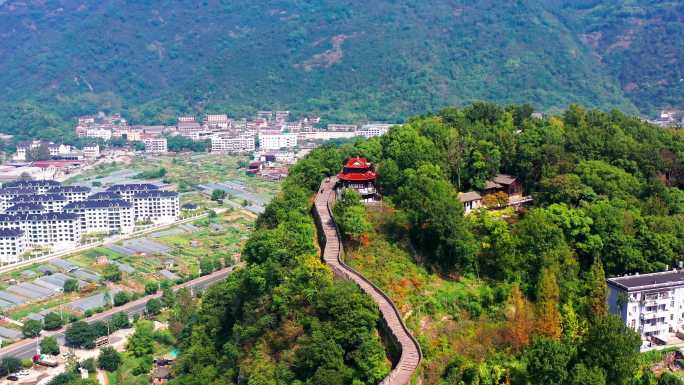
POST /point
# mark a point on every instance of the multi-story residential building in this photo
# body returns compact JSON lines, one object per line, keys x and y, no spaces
{"x":277,"y":141}
{"x":12,"y":245}
{"x":652,"y":304}
{"x":282,"y":116}
{"x":155,"y":145}
{"x":52,"y":203}
{"x":59,"y":231}
{"x":217,"y":122}
{"x":71,"y":193}
{"x":373,"y":130}
{"x":7,"y":195}
{"x":41,"y":186}
{"x":231,"y":144}
{"x":265,"y":115}
{"x":156,"y":206}
{"x":91,"y":151}
{"x":25,"y":208}
{"x":127,"y":191}
{"x":186,"y":119}
{"x":114,"y":216}
{"x":96,"y":132}
{"x":342,"y":127}
{"x":53,"y":148}
{"x":104,"y":195}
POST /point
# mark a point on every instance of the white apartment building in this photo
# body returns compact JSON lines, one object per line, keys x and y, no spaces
{"x":228,"y":144}
{"x":40,"y":186}
{"x":373,"y":130}
{"x":25,"y":208}
{"x":52,"y":203}
{"x":186,"y":119}
{"x":114,"y":216}
{"x":282,"y":116}
{"x":58,"y":231}
{"x":156,"y":206}
{"x":127,"y":191}
{"x":71,"y":193}
{"x":342,"y":127}
{"x":155,"y":145}
{"x":277,"y":141}
{"x":102,"y":133}
{"x":92,"y":151}
{"x":12,"y":245}
{"x":7,"y":195}
{"x":54,"y":149}
{"x":217,"y":122}
{"x":652,"y":304}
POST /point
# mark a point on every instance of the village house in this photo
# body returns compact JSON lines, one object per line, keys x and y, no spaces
{"x":471,"y":200}
{"x":502,"y":187}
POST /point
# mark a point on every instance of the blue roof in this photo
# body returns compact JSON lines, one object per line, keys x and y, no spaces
{"x":17,"y":191}
{"x":104,"y":195}
{"x":132,"y":187}
{"x":60,"y":189}
{"x":39,"y":198}
{"x":25,"y":206}
{"x":155,"y":194}
{"x":88,"y":204}
{"x":31,"y":183}
{"x":47,"y":216}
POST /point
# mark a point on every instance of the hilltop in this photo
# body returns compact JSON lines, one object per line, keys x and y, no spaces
{"x":380,"y":60}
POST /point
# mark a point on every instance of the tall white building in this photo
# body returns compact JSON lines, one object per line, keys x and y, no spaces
{"x":127,"y":191}
{"x":231,"y":145}
{"x":217,"y":122}
{"x":155,"y":145}
{"x":71,"y":193}
{"x":12,"y":245}
{"x":652,"y":304}
{"x":58,"y":231}
{"x":277,"y":141}
{"x":156,"y":206}
{"x":374,"y":129}
{"x":53,"y":203}
{"x":104,"y":216}
{"x":41,"y":186}
{"x":91,"y":151}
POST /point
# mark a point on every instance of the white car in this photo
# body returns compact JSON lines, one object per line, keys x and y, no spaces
{"x":23,"y":373}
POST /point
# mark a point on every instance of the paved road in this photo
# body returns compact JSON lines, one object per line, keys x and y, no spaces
{"x":27,"y":348}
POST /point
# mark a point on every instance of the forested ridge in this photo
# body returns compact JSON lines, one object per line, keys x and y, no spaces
{"x":348,"y":61}
{"x":493,"y":297}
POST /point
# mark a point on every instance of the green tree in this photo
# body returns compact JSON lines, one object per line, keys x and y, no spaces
{"x":41,"y":152}
{"x":121,"y":298}
{"x":436,"y":217}
{"x":153,"y":306}
{"x":168,"y":297}
{"x":112,"y":273}
{"x":670,"y":379}
{"x":31,"y":328}
{"x":120,"y":321}
{"x":52,"y":321}
{"x":49,"y":345}
{"x":141,"y":343}
{"x":581,"y":375}
{"x":70,"y":285}
{"x":151,"y":287}
{"x":598,"y":290}
{"x":218,"y":195}
{"x":80,"y":334}
{"x":109,"y":359}
{"x":11,"y":364}
{"x":547,"y":362}
{"x":613,"y":347}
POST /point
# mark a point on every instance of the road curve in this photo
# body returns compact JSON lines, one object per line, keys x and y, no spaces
{"x":332,"y":255}
{"x":26,"y":348}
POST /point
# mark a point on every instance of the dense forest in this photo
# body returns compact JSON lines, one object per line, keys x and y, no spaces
{"x":493,"y":297}
{"x":345,"y":60}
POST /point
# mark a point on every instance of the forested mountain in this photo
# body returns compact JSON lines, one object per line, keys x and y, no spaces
{"x":343,"y":59}
{"x":493,"y":297}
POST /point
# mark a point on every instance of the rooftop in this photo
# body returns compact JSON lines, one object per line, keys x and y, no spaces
{"x":132,"y":187}
{"x":11,"y":232}
{"x":469,"y":196}
{"x":155,"y":194}
{"x":504,"y":179}
{"x":105,"y":195}
{"x":94,"y":204}
{"x":24,"y":206}
{"x":648,"y":281}
{"x":39,"y":198}
{"x":30,"y":183}
{"x":61,"y":189}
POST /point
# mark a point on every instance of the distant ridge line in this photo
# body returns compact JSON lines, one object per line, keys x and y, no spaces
{"x":411,"y":354}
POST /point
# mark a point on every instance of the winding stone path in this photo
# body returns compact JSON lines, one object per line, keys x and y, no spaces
{"x":332,"y":255}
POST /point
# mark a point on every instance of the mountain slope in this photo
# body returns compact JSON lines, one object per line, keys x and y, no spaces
{"x":343,"y":59}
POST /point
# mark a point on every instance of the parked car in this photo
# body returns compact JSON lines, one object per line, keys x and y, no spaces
{"x":12,"y":377}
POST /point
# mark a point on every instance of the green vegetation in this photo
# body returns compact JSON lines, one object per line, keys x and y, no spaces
{"x":152,"y":174}
{"x":361,"y":60}
{"x":49,"y":345}
{"x":109,"y":359}
{"x":31,"y":328}
{"x":494,"y":297}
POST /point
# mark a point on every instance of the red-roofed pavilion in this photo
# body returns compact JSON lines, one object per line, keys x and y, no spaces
{"x":358,"y":174}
